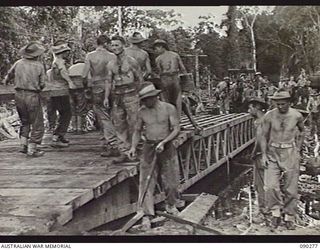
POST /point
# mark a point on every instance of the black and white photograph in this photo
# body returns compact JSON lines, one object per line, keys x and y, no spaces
{"x":159,"y":121}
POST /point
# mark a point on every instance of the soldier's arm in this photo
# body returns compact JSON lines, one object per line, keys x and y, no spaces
{"x":137,"y":132}
{"x":64,"y":73}
{"x":181,"y":65}
{"x":158,"y":65}
{"x":174,"y":122}
{"x":85,"y":72}
{"x":263,"y":134}
{"x":137,"y":72}
{"x":148,"y":65}
{"x":42,"y":78}
{"x":109,"y":80}
{"x":301,"y":135}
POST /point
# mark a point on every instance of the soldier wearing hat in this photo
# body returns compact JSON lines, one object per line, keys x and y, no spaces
{"x":313,"y":107}
{"x":59,"y":93}
{"x":96,"y":63}
{"x":257,"y":108}
{"x":139,"y":54}
{"x":29,"y":76}
{"x":169,"y":66}
{"x":161,"y":125}
{"x":280,"y":146}
{"x":223,"y":92}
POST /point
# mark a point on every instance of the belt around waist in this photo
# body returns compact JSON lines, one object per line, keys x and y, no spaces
{"x":282,"y":145}
{"x":28,"y":90}
{"x":153,"y":141}
{"x":120,"y":89}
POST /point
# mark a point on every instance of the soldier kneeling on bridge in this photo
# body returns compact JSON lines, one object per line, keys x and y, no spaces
{"x":161,"y":123}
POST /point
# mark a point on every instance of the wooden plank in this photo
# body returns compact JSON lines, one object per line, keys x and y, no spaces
{"x":199,"y":208}
{"x":195,"y":225}
{"x":61,"y":213}
{"x":24,"y":196}
{"x":24,"y":225}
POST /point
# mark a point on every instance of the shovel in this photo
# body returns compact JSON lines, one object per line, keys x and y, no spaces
{"x":140,"y":213}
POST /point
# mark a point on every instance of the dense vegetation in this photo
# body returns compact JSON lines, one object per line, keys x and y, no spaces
{"x":276,"y":42}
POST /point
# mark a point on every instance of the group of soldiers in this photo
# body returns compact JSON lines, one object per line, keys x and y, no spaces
{"x":128,"y":106}
{"x":236,"y":92}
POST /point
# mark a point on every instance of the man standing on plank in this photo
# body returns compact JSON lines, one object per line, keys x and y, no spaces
{"x":280,"y":148}
{"x":161,"y":125}
{"x":29,"y":75}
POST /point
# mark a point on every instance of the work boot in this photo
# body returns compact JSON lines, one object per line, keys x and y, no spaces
{"x":33,"y":151}
{"x":172,"y":209}
{"x":64,"y":140}
{"x":290,"y":225}
{"x":275,"y":222}
{"x":24,"y":145}
{"x":56,"y":142}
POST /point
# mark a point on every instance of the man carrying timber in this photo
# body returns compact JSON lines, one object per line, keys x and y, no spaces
{"x":161,"y":125}
{"x":123,"y":83}
{"x":96,"y":65}
{"x":59,"y":93}
{"x":169,"y":66}
{"x":29,"y":75}
{"x":257,"y":108}
{"x":141,"y":56}
{"x":280,"y":146}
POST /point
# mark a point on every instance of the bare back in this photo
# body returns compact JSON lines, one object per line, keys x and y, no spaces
{"x":282,"y":128}
{"x":158,"y":121}
{"x":140,"y":55}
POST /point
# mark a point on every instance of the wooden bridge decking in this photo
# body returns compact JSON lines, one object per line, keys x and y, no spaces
{"x":35,"y":193}
{"x":76,"y":189}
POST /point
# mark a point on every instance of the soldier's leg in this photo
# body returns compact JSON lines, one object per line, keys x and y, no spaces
{"x":24,"y":119}
{"x":81,"y":109}
{"x":36,"y":118}
{"x":169,"y":171}
{"x":131,"y":103}
{"x":64,"y":109}
{"x":51,"y":114}
{"x":291,"y":178}
{"x":104,"y":117}
{"x":148,"y":153}
{"x":119,"y":120}
{"x":272,"y":188}
{"x":258,"y":181}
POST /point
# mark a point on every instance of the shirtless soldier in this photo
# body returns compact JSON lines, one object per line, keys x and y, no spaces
{"x":123,"y":82}
{"x":161,"y":124}
{"x":96,"y":65}
{"x":139,"y":54}
{"x":257,"y":106}
{"x":280,"y":146}
{"x":169,"y":65}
